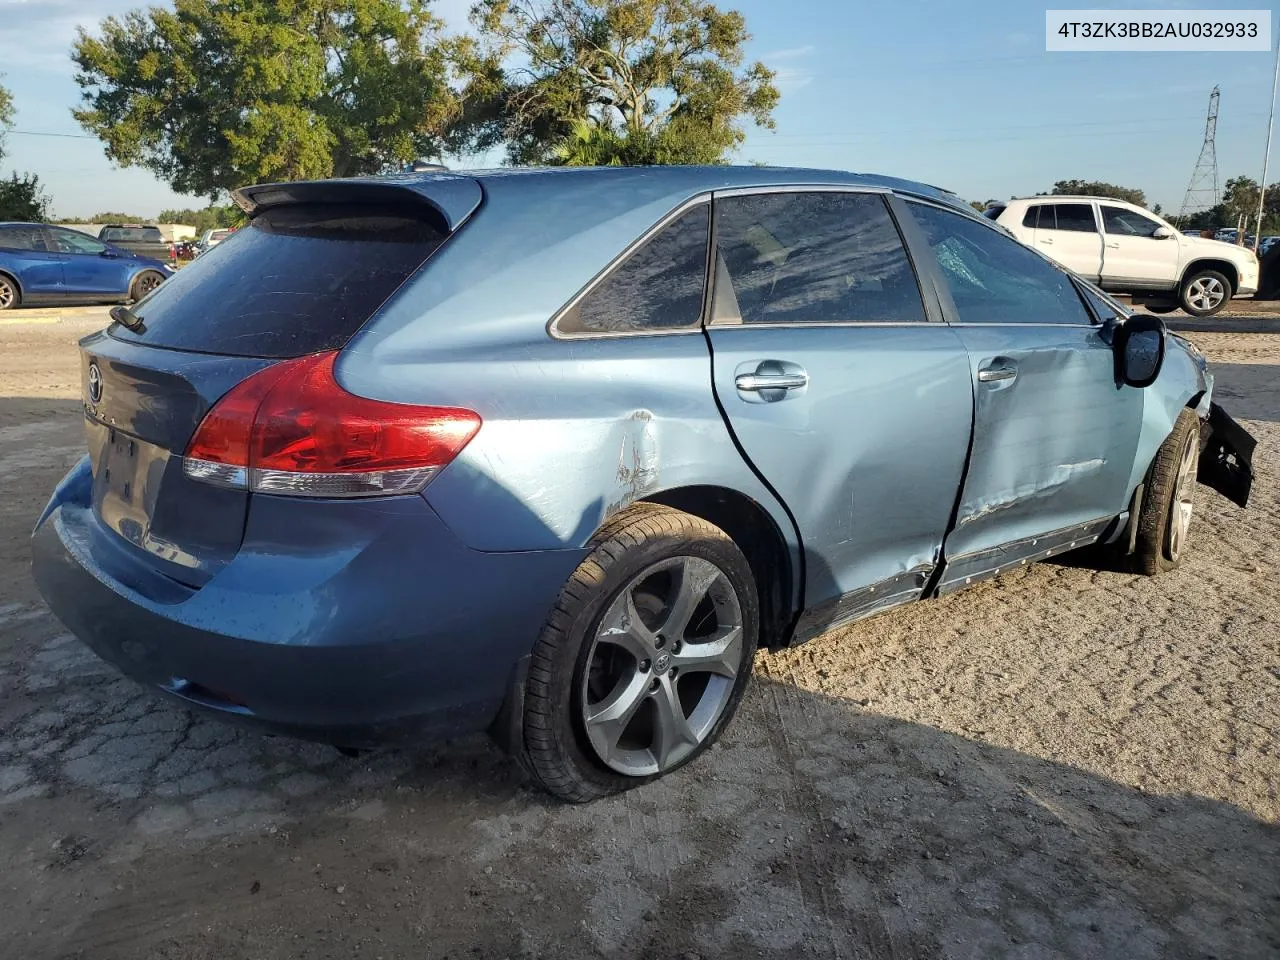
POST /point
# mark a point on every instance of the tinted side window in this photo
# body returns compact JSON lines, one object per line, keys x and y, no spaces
{"x":296,"y":280}
{"x":658,"y":287}
{"x":1127,"y":223}
{"x":21,"y":238}
{"x":72,"y":241}
{"x":1103,"y":308}
{"x":822,"y":257}
{"x":1033,"y":215}
{"x":1075,"y":217}
{"x":994,"y":279}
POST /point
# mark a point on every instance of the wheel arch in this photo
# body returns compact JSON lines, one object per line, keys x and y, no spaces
{"x":761,"y":541}
{"x":1224,"y":267}
{"x":9,"y":275}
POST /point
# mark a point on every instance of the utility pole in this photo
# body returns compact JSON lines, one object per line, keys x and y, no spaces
{"x":1266,"y":161}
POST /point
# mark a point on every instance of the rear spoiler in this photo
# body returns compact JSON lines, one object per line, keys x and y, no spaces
{"x":454,"y":198}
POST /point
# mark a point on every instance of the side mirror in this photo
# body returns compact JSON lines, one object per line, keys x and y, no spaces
{"x":1163,"y":233}
{"x":109,"y":254}
{"x":1139,"y":350}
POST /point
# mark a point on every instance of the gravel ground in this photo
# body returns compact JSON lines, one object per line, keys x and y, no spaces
{"x":1062,"y":762}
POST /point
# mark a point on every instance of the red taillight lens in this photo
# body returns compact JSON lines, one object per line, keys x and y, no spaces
{"x":292,"y":429}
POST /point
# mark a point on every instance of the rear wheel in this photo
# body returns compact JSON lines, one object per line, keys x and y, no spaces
{"x":144,"y":283}
{"x":1205,"y":292}
{"x":9,"y":295}
{"x":645,"y":657}
{"x":1168,"y":502}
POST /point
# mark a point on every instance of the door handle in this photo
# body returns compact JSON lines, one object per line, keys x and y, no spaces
{"x":1113,"y":246}
{"x":1048,"y":241}
{"x":996,"y":374}
{"x":754,"y":382}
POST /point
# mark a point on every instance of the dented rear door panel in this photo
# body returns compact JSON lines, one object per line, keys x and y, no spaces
{"x":1053,"y":446}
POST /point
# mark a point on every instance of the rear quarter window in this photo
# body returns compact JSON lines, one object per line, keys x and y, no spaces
{"x":296,"y":280}
{"x":132,"y":235}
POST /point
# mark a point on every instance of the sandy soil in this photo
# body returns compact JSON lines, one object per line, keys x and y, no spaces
{"x":1063,"y":762}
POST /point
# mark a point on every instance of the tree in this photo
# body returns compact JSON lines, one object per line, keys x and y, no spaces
{"x":22,"y":199}
{"x":210,"y":218}
{"x":6,"y":116}
{"x":218,"y":93}
{"x":613,"y":81}
{"x":1097,"y":188}
{"x":1240,"y":198}
{"x":980,"y":205}
{"x":118,"y":218}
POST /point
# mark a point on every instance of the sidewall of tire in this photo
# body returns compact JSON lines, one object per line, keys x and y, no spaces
{"x":1186,"y":285}
{"x":17,"y":292}
{"x":570,"y":645}
{"x":134,"y":292}
{"x":1158,"y":502}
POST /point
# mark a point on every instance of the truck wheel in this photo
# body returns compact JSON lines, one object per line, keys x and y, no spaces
{"x":1204,"y":293}
{"x":9,"y":295}
{"x":1164,"y":519}
{"x":644,"y":658}
{"x":144,"y":283}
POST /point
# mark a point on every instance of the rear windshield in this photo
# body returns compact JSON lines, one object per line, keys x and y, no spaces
{"x":296,"y":280}
{"x":131,"y":235}
{"x":991,"y":213}
{"x":219,"y":234}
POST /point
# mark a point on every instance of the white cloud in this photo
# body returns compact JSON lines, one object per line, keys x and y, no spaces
{"x":791,"y":73}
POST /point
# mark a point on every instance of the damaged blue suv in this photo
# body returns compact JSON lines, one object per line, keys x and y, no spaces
{"x":552,"y":453}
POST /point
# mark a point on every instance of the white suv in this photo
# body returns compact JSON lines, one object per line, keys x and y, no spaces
{"x":1126,"y":249}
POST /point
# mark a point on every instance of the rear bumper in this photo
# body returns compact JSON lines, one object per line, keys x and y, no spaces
{"x":350,"y":622}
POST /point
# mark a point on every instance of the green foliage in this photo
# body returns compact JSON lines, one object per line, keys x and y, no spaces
{"x":6,"y":115}
{"x":210,"y":218}
{"x":612,"y":82}
{"x":1097,"y":188}
{"x":213,"y":94}
{"x":110,"y":217}
{"x":22,"y":199}
{"x":980,"y":205}
{"x":1240,"y":200}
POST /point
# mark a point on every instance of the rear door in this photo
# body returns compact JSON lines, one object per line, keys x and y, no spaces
{"x":91,"y":267}
{"x":1068,"y":233}
{"x":25,"y":253}
{"x":1131,"y":252}
{"x":840,"y":386}
{"x":301,"y":278}
{"x":1054,"y":437}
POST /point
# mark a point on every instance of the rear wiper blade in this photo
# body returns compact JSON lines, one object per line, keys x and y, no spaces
{"x":126,"y":317}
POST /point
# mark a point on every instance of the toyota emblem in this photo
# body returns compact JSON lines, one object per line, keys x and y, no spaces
{"x":95,"y":383}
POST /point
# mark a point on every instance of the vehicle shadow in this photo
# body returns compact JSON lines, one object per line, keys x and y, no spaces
{"x":819,"y":827}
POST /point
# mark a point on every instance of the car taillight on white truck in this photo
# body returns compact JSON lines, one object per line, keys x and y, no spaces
{"x":291,"y":429}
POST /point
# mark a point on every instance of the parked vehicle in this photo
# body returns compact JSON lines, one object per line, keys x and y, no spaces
{"x":146,"y":241}
{"x":1127,"y":249}
{"x":386,"y":467}
{"x":1265,"y":245}
{"x":40,"y":263}
{"x":210,"y":239}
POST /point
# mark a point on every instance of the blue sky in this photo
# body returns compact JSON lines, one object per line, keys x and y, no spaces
{"x":954,"y":92}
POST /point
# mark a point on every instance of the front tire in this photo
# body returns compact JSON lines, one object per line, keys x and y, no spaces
{"x":1204,"y":293}
{"x":644,"y":658}
{"x":144,"y":283}
{"x":1164,"y":520}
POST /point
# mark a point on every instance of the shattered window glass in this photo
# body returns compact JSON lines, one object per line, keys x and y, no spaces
{"x":995,"y":279}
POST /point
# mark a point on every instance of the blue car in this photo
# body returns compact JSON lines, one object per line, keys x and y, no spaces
{"x":40,"y":263}
{"x":552,"y":453}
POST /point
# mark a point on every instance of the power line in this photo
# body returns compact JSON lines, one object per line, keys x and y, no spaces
{"x":45,"y":133}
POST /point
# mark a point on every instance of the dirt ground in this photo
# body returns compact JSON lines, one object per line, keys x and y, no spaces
{"x":1058,"y":763}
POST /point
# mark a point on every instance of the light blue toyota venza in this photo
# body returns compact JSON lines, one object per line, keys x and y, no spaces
{"x":550,"y":453}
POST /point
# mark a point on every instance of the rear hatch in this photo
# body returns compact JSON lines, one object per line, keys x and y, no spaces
{"x":311,"y":267}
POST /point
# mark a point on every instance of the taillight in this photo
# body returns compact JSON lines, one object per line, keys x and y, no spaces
{"x":291,"y":429}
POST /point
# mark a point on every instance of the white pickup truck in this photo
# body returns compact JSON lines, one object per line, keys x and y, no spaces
{"x":1126,"y":249}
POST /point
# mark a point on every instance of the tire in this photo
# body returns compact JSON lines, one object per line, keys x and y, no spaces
{"x":144,"y":283}
{"x":10,"y":295}
{"x":1160,"y":307}
{"x":1167,"y":502}
{"x":1204,"y":293}
{"x":596,"y":651}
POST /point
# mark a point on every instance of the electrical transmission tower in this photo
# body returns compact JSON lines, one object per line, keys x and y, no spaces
{"x":1202,"y":191}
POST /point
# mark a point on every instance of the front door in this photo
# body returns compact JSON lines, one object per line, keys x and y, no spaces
{"x":1131,"y":251}
{"x":1068,"y":233}
{"x":1054,"y":435}
{"x":841,"y":387}
{"x":92,"y":268}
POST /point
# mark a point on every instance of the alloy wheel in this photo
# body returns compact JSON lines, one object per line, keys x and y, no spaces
{"x":8,"y":295}
{"x":1183,"y":506}
{"x":1206,"y":293}
{"x":662,"y":666}
{"x":148,"y":282}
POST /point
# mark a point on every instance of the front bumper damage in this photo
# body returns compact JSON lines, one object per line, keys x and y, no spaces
{"x":1226,"y":456}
